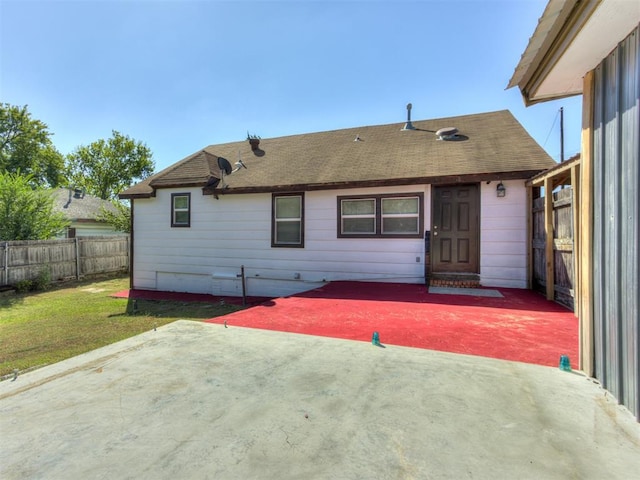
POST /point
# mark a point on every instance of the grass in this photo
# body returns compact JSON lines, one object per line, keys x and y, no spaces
{"x":41,"y":328}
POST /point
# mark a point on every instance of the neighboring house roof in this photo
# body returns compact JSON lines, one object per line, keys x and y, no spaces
{"x":487,"y":145}
{"x":572,"y":37}
{"x":78,"y":206}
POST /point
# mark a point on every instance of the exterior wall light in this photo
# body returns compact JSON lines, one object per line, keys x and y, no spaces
{"x":501,"y":190}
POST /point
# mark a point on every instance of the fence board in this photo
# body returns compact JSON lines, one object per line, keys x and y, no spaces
{"x":25,"y":260}
{"x":563,"y":255}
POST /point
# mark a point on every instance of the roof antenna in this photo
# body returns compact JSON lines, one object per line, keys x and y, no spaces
{"x":408,"y":125}
{"x":239,"y":164}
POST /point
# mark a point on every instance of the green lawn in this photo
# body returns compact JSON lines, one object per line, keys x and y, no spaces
{"x":40,"y":328}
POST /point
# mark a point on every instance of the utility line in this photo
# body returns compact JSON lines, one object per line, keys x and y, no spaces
{"x":551,"y":130}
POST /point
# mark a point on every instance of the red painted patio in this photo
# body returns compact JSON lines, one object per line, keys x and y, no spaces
{"x":521,"y":326}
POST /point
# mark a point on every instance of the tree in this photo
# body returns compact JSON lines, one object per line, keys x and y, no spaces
{"x":106,"y":167}
{"x":121,"y":220}
{"x":27,"y":213}
{"x":25,"y":146}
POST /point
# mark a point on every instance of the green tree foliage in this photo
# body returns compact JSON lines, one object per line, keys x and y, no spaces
{"x":106,"y":167}
{"x":27,"y":213}
{"x":121,"y":220}
{"x":25,"y":146}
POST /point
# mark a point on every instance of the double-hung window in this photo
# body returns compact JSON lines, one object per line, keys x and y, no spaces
{"x":379,"y":216}
{"x":287,"y":220}
{"x":180,"y":209}
{"x":400,"y":216}
{"x":358,"y":216}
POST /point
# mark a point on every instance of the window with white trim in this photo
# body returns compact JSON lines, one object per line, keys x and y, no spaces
{"x":287,"y":220}
{"x":358,"y":216}
{"x":400,"y":215}
{"x":180,"y":209}
{"x":378,"y":216}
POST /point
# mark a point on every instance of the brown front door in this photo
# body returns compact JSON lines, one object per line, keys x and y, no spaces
{"x":455,"y":235}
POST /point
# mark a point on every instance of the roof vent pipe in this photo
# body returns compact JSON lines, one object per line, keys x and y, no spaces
{"x":408,"y":125}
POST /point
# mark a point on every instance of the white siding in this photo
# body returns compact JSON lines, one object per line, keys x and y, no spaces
{"x":503,"y":236}
{"x":93,"y":229}
{"x":236,"y":230}
{"x":89,"y":229}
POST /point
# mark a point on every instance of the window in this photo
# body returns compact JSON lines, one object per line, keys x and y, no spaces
{"x":287,"y":220}
{"x":400,"y":215}
{"x":378,"y":216}
{"x":359,"y":216}
{"x":180,"y":209}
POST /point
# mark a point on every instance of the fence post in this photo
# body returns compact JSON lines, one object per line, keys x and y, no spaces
{"x":549,"y":251}
{"x":77,"y":258}
{"x":6,"y":264}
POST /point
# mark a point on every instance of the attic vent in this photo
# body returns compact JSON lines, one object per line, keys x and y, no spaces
{"x":447,"y":133}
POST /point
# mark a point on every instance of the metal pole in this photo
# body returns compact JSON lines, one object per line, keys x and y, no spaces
{"x":244,"y":287}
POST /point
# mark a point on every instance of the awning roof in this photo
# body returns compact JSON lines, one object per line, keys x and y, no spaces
{"x":572,"y":38}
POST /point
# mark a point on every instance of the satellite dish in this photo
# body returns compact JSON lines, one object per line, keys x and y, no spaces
{"x":224,"y":165}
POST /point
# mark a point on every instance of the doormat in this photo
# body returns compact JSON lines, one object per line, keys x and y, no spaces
{"x":476,"y":292}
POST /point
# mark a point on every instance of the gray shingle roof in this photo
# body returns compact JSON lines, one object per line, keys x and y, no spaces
{"x":487,"y":144}
{"x":79,"y":207}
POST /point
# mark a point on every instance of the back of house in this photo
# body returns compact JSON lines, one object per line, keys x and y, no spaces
{"x":439,"y":201}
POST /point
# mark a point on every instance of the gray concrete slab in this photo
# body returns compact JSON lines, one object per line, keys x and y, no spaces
{"x":195,"y":401}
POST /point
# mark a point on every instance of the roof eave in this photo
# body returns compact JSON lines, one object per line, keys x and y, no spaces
{"x":529,"y":100}
{"x":176,"y":184}
{"x":88,"y":220}
{"x":131,"y":196}
{"x":434,"y":180}
{"x":559,"y":25}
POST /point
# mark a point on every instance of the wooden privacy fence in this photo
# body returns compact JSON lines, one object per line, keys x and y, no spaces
{"x":562,"y":261}
{"x":63,"y":259}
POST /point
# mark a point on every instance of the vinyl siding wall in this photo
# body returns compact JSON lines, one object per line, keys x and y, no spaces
{"x":503,"y":236}
{"x":235,"y":230}
{"x":89,"y":229}
{"x":86,"y":229}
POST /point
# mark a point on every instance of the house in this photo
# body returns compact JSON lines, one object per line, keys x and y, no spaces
{"x":82,"y":210}
{"x":592,"y":48}
{"x":442,"y":201}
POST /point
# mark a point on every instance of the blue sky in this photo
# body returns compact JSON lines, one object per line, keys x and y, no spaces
{"x":181,"y":75}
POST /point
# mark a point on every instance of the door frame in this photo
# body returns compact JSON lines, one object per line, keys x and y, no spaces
{"x":433,"y":247}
